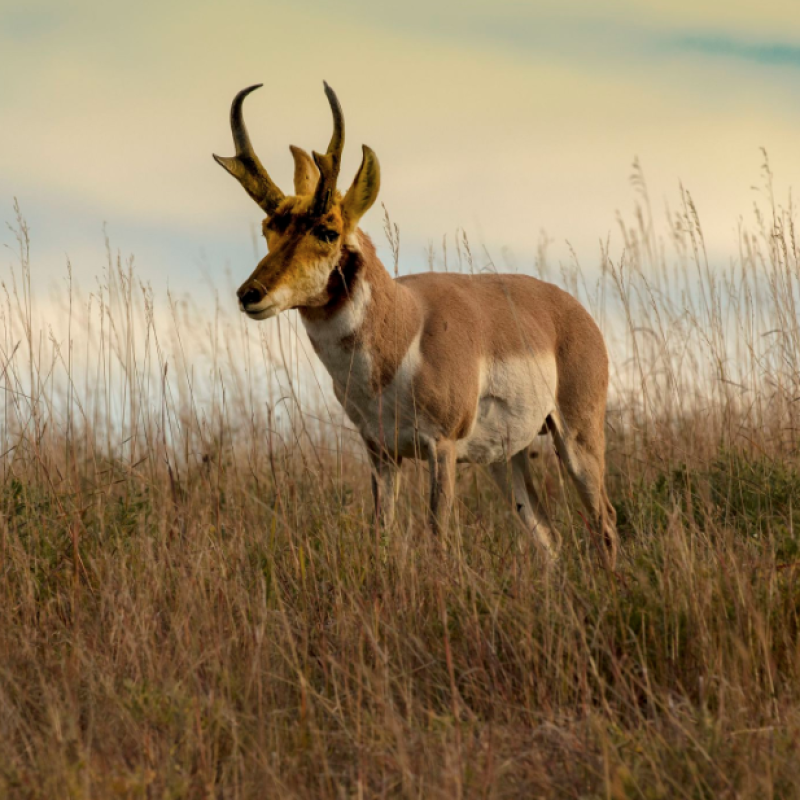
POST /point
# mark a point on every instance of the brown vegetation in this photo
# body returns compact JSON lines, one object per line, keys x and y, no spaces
{"x":194,"y":600}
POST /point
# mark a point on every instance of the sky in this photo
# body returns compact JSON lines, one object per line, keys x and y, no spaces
{"x":501,"y":118}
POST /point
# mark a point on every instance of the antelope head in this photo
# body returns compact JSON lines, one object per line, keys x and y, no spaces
{"x":306,"y":232}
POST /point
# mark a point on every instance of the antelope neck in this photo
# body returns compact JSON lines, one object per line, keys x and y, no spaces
{"x":367,"y":312}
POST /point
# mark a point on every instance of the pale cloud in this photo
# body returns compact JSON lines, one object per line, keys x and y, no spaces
{"x":503,"y":118}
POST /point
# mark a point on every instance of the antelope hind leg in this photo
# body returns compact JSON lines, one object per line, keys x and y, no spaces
{"x":516,"y":482}
{"x":442,"y":460}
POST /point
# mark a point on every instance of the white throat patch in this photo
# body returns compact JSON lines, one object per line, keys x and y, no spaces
{"x":346,"y":321}
{"x":348,"y":362}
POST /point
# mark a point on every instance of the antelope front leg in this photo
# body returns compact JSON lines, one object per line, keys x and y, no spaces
{"x":442,"y":460}
{"x":385,"y":482}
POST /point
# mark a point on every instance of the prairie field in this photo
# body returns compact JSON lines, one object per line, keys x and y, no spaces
{"x":195,"y":600}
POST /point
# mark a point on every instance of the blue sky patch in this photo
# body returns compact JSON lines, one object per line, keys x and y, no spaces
{"x":763,"y":52}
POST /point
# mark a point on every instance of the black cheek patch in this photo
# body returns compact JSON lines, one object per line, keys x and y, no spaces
{"x":340,"y":281}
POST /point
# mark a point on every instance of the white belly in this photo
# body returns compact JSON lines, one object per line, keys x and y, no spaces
{"x":516,"y":396}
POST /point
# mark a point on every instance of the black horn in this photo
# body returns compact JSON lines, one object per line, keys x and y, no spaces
{"x":245,"y":165}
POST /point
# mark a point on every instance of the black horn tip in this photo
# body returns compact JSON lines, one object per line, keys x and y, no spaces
{"x":240,"y":96}
{"x":331,"y":95}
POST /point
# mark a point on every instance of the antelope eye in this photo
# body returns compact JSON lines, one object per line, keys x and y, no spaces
{"x":326,"y":234}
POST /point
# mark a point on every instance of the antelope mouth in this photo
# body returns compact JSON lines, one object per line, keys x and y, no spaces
{"x":261,"y":313}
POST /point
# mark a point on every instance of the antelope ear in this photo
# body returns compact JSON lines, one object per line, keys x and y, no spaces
{"x":306,"y":173}
{"x":364,"y":191}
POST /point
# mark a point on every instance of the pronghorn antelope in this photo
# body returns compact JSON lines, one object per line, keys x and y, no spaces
{"x":447,"y":367}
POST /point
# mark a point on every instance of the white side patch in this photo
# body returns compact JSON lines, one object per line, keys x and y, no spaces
{"x":516,"y":395}
{"x":403,"y":379}
{"x":396,"y":422}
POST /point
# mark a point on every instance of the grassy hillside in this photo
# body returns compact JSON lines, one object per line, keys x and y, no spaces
{"x":194,"y":600}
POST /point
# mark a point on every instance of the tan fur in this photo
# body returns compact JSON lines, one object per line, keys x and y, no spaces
{"x":438,"y":366}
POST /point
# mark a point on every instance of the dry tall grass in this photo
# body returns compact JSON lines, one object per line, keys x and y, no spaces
{"x":195,"y":601}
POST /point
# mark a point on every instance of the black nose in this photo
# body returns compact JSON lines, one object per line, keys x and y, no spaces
{"x":250,"y":296}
